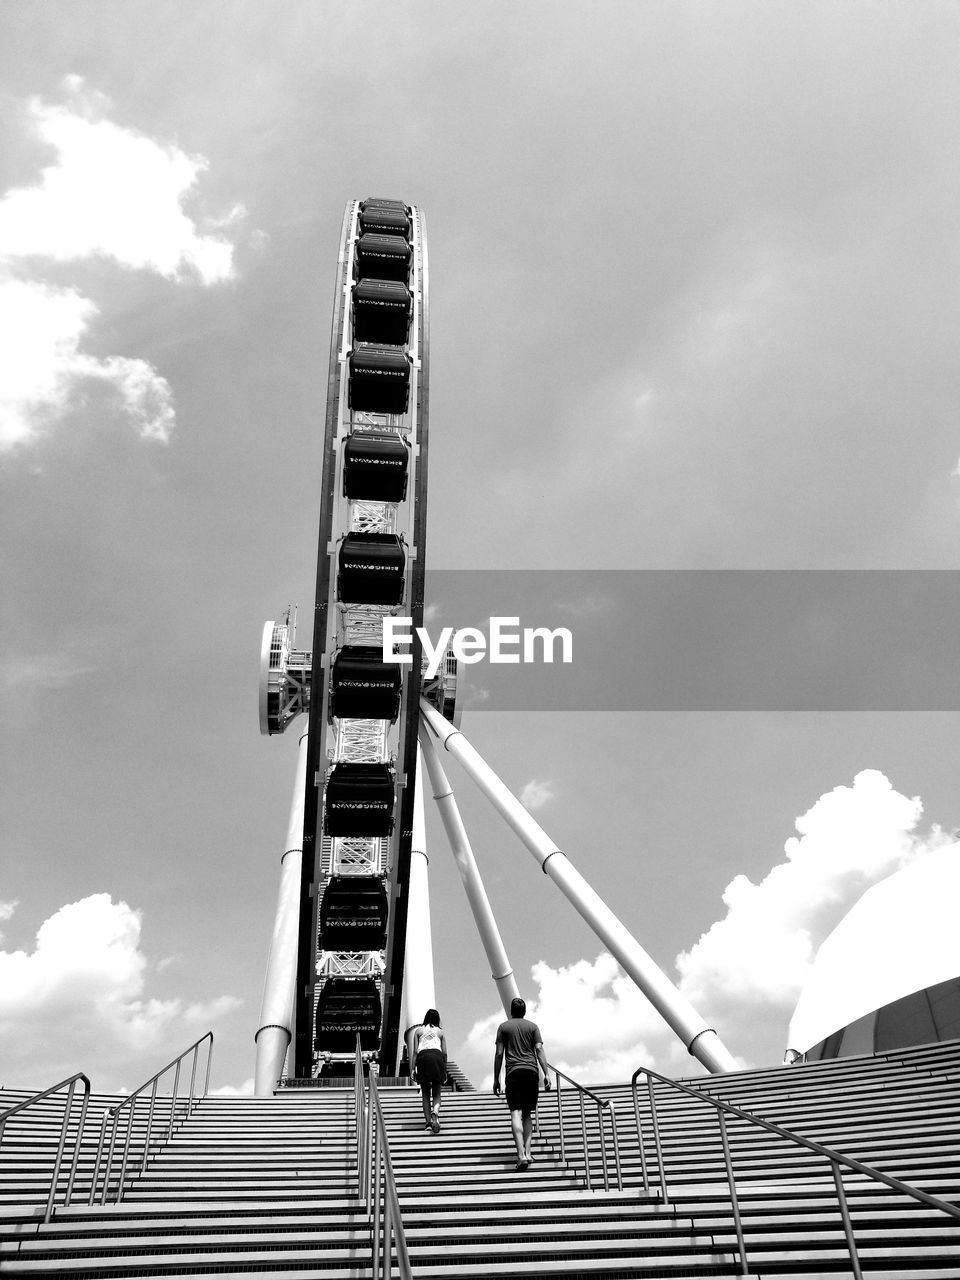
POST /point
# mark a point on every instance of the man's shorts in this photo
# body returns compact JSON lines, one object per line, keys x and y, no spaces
{"x":523,"y":1089}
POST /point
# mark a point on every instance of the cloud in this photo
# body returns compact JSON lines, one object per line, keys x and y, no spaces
{"x":244,"y":1090}
{"x":745,"y":972}
{"x":761,"y":950}
{"x":78,"y":1001}
{"x":535,"y":794}
{"x":588,"y":606}
{"x":43,"y":370}
{"x":31,"y":671}
{"x":109,"y":193}
{"x":6,"y":911}
{"x":113,"y":193}
{"x":596,"y":1024}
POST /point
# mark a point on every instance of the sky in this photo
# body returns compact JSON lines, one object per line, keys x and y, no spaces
{"x":693,"y":303}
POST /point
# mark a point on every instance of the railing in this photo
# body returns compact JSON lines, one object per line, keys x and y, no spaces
{"x":835,"y":1159}
{"x":78,"y":1136}
{"x":362,"y":1127}
{"x":128,"y":1108}
{"x":604,"y":1108}
{"x":376,"y":1181}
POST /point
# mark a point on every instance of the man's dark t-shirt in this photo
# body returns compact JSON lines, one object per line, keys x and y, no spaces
{"x":518,"y":1037}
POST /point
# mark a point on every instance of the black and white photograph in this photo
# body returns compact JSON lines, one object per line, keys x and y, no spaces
{"x":480,"y":668}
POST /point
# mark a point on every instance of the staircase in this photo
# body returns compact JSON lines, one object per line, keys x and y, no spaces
{"x":266,"y":1186}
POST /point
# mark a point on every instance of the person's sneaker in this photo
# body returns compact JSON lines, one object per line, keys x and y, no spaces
{"x":435,"y":1123}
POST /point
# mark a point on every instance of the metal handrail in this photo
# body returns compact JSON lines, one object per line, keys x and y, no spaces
{"x":360,"y":1122}
{"x":381,"y":1183}
{"x":68,"y":1107}
{"x":112,"y":1118}
{"x":835,"y":1159}
{"x":604,"y":1107}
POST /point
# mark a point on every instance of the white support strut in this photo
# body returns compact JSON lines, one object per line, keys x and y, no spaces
{"x":700,"y":1039}
{"x":500,"y":969}
{"x":276,"y":1009}
{"x":419,"y":990}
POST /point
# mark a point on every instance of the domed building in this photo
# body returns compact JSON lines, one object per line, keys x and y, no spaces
{"x":888,"y":976}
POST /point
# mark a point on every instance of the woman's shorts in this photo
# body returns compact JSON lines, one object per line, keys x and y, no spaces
{"x":430,"y":1067}
{"x":523,"y":1090}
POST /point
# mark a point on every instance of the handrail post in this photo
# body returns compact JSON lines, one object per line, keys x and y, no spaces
{"x":173,"y":1100}
{"x":76,"y":1146}
{"x":357,"y":1076}
{"x":583,"y":1132}
{"x":67,"y":1106}
{"x":134,"y":1098}
{"x":643,"y":1154}
{"x":146,"y":1140}
{"x":377,"y":1241}
{"x":603,"y":1146}
{"x":369,"y":1139}
{"x":734,"y":1200}
{"x":115,"y":1117}
{"x":616,"y":1146}
{"x":94,"y":1181}
{"x":363,"y":1139}
{"x":563,"y":1150}
{"x":657,"y":1146}
{"x":845,"y":1216}
{"x":193,"y":1075}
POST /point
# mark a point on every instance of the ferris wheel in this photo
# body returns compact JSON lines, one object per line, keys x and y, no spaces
{"x":359,"y":759}
{"x":351,"y":954}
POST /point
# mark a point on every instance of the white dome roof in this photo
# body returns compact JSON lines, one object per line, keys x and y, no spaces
{"x":902,"y":936}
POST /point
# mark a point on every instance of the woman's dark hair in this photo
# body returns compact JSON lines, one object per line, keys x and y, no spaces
{"x":431,"y":1018}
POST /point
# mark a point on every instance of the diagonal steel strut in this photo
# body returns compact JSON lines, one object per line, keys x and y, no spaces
{"x":700,"y":1039}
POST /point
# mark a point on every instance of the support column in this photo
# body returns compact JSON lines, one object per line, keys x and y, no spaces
{"x":700,"y":1039}
{"x":419,"y":991}
{"x":500,"y":969}
{"x":276,"y":1009}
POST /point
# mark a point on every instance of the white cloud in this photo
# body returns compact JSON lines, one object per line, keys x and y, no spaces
{"x":31,"y":671}
{"x":535,"y":794}
{"x":6,"y":911}
{"x":244,"y":1090}
{"x":589,"y":606}
{"x":204,"y":1012}
{"x":111,"y":192}
{"x":596,"y":1024}
{"x":761,"y":950}
{"x":43,"y":370}
{"x":78,"y":1001}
